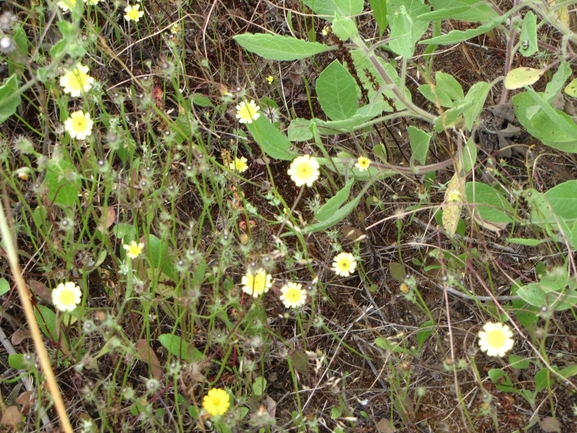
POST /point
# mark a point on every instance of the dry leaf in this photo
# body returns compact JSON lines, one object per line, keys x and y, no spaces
{"x":11,"y":416}
{"x":147,"y":355}
{"x":18,"y":336}
{"x":384,"y":426}
{"x":454,"y":199}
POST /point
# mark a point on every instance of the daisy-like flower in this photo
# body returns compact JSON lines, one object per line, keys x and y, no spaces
{"x":496,"y":339}
{"x":133,"y":250}
{"x":79,"y":125}
{"x":304,"y":170}
{"x":256,"y":283}
{"x":293,"y":295}
{"x":246,"y":112}
{"x":216,"y":402}
{"x":66,"y":296}
{"x":344,"y":264}
{"x":67,"y":5}
{"x":77,"y":81}
{"x":270,"y":79}
{"x":363,"y":163}
{"x":239,"y":164}
{"x":133,"y":13}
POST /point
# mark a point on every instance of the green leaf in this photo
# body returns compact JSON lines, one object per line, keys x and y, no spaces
{"x":334,"y":203}
{"x":344,"y":28}
{"x":528,"y":36}
{"x":419,"y":141}
{"x":518,"y":362}
{"x":456,"y":36}
{"x":46,"y":319}
{"x":157,"y":251}
{"x":299,"y":130}
{"x":501,"y":380}
{"x":520,"y":77}
{"x":563,"y":200}
{"x":379,"y":8}
{"x":180,"y":348}
{"x":447,"y":91}
{"x":552,"y":127}
{"x":328,"y":8}
{"x":201,"y":100}
{"x":406,"y":27}
{"x":272,"y":142}
{"x":9,"y":98}
{"x":62,"y":182}
{"x":491,"y":204}
{"x":277,"y":47}
{"x":469,"y":155}
{"x":472,"y":11}
{"x":18,"y":361}
{"x":469,"y":108}
{"x":526,"y":242}
{"x":424,"y":332}
{"x":555,"y":85}
{"x":544,"y":379}
{"x":337,"y":92}
{"x":258,"y":386}
{"x":4,"y":286}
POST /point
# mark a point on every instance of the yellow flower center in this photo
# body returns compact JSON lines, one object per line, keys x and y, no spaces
{"x":67,"y":297}
{"x":304,"y":170}
{"x":133,"y":14}
{"x":293,"y":295}
{"x":257,"y":283}
{"x":80,"y":124}
{"x":344,"y":264}
{"x":496,"y":338}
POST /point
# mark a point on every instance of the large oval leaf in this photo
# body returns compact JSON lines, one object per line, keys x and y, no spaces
{"x":277,"y":47}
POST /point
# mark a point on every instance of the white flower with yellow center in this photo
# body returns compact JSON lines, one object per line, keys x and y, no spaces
{"x":133,"y":250}
{"x":293,"y":295}
{"x":247,"y":112}
{"x":66,"y":296}
{"x":133,"y":13}
{"x":67,"y":5}
{"x":304,"y":170}
{"x":79,"y":125}
{"x":363,"y":163}
{"x":239,"y":164}
{"x":256,"y":283}
{"x":496,"y":339}
{"x":77,"y":81}
{"x":344,"y":264}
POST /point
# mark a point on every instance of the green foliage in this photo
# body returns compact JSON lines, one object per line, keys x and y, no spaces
{"x":9,"y":98}
{"x":276,"y":47}
{"x":337,"y":92}
{"x":180,"y":348}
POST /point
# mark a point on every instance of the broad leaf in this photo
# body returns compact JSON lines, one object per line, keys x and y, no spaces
{"x":379,"y":8}
{"x":552,"y":127}
{"x":157,"y":252}
{"x":456,"y":36}
{"x":405,"y":24}
{"x":528,"y":36}
{"x":277,"y":47}
{"x":62,"y":182}
{"x":419,"y":141}
{"x":9,"y":98}
{"x":337,"y":92}
{"x":180,"y":348}
{"x":272,"y":142}
{"x":473,"y":11}
{"x":521,"y":77}
{"x":491,"y":204}
{"x":334,"y":203}
{"x":328,"y":8}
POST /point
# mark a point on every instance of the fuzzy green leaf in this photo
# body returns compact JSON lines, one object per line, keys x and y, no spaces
{"x":334,"y":203}
{"x":490,"y":203}
{"x":528,"y":36}
{"x":277,"y":47}
{"x":180,"y":348}
{"x":419,"y":141}
{"x":9,"y":98}
{"x":379,"y":8}
{"x":272,"y":142}
{"x":406,"y":27}
{"x":472,"y":11}
{"x":337,"y":92}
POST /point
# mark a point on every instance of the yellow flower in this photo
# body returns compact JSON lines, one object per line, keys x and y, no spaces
{"x":270,"y":79}
{"x":67,"y":5}
{"x":66,"y":296}
{"x":344,"y":264}
{"x":304,"y":170}
{"x":216,"y":402}
{"x":293,"y":295}
{"x":256,"y":283}
{"x":496,"y":339}
{"x":363,"y":163}
{"x":79,"y":125}
{"x":239,"y":164}
{"x":133,"y":13}
{"x":77,"y":81}
{"x":133,"y":250}
{"x":247,"y":112}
